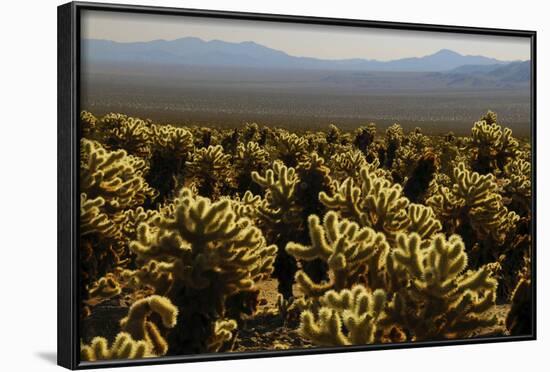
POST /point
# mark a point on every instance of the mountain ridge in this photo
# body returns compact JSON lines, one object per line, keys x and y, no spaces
{"x":195,"y":51}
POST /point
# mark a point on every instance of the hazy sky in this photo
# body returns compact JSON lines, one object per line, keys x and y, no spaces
{"x":329,"y":42}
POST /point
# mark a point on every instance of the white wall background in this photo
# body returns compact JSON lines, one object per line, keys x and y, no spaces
{"x":28,"y":184}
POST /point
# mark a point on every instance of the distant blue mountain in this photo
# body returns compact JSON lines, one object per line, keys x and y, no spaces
{"x":499,"y":75}
{"x":194,"y":51}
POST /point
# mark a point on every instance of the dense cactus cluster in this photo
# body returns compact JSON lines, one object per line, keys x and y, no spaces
{"x":191,"y":236}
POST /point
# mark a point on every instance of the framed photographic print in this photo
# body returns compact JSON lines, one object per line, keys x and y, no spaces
{"x":236,"y":185}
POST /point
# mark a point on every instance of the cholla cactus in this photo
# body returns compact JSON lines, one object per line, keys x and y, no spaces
{"x":246,"y":206}
{"x":280,"y":204}
{"x":101,"y":249}
{"x":114,"y":176}
{"x":170,"y":141}
{"x":493,"y":145}
{"x":350,"y":252}
{"x":348,"y":317}
{"x":140,"y":327}
{"x":518,"y":185}
{"x":251,"y":132}
{"x":153,"y":274}
{"x":394,"y":139}
{"x":171,"y":148}
{"x":124,"y":132}
{"x":519,"y":320}
{"x":93,"y":221}
{"x":375,"y":203}
{"x":105,"y":288}
{"x":140,"y":337}
{"x":210,"y":170}
{"x":364,"y":138}
{"x":281,"y":213}
{"x":210,"y":254}
{"x":291,"y":149}
{"x":419,"y":177}
{"x":124,"y":347}
{"x":333,"y":134}
{"x":441,"y":299}
{"x":250,"y":157}
{"x":423,"y":221}
{"x":88,"y":124}
{"x":474,"y":203}
{"x":414,"y":148}
{"x":349,"y":163}
{"x":314,"y":177}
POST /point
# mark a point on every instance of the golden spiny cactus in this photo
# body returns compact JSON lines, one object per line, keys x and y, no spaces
{"x":375,"y":203}
{"x":394,"y":139}
{"x":473,"y":202}
{"x":114,"y":176}
{"x":280,"y":205}
{"x":138,"y":325}
{"x":439,"y":298}
{"x":105,"y":288}
{"x":291,"y":149}
{"x":423,"y":221}
{"x":123,"y":347}
{"x":250,"y":157}
{"x":348,"y":164}
{"x":88,"y":124}
{"x":210,"y":254}
{"x":518,"y":185}
{"x":348,"y":317}
{"x":210,"y":169}
{"x":349,"y":250}
{"x":494,"y":146}
{"x":93,"y":221}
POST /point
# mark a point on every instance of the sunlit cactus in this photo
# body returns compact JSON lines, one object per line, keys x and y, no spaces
{"x":494,"y":146}
{"x":375,"y":202}
{"x":423,"y":221}
{"x":88,"y":124}
{"x":364,"y":138}
{"x":349,"y":251}
{"x":347,"y":317}
{"x":473,"y":203}
{"x":171,"y":147}
{"x":329,"y":237}
{"x":246,"y":206}
{"x":518,"y":185}
{"x":211,"y":254}
{"x":440,"y":298}
{"x":250,"y":157}
{"x":251,"y":132}
{"x":114,"y":176}
{"x":123,"y":347}
{"x":281,"y":213}
{"x":105,"y":288}
{"x":394,"y":139}
{"x":210,"y":169}
{"x":280,"y":205}
{"x":94,"y":221}
{"x":333,"y":134}
{"x":138,"y":324}
{"x":519,"y":320}
{"x":291,"y":149}
{"x":153,"y":274}
{"x":348,"y":164}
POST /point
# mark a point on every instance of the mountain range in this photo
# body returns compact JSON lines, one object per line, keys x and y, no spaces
{"x":195,"y":51}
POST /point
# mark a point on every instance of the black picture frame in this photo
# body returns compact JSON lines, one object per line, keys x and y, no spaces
{"x":68,"y":183}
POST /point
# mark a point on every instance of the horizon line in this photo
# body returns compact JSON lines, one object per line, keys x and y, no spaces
{"x":317,"y":58}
